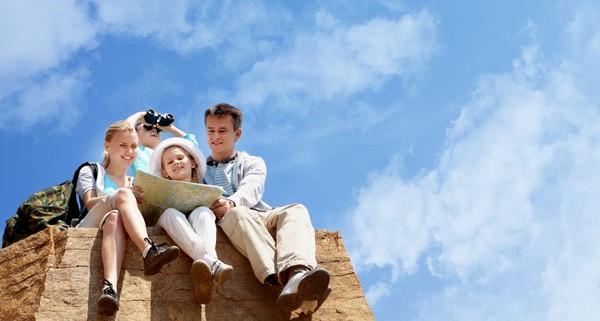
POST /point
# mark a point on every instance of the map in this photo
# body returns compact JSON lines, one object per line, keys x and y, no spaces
{"x":161,"y":193}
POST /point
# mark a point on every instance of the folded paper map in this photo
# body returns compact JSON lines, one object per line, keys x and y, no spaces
{"x":161,"y":193}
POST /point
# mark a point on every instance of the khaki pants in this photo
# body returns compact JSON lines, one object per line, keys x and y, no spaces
{"x":248,"y":231}
{"x":96,"y":216}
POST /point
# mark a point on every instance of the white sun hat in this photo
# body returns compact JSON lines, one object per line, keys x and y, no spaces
{"x":191,"y":148}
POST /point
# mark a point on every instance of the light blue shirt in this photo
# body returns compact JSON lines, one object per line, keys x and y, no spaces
{"x":109,"y":185}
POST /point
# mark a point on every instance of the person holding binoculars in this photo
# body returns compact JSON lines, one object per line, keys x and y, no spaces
{"x":149,"y":124}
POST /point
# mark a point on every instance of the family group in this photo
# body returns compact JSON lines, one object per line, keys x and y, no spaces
{"x":111,"y":198}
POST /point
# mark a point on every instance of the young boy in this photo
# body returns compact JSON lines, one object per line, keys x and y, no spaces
{"x":246,"y":218}
{"x":149,"y":137}
{"x":181,"y":160}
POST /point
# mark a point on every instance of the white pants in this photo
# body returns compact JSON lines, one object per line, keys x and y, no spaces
{"x":196,"y":235}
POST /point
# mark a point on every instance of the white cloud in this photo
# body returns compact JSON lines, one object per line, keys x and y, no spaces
{"x":340,"y":60}
{"x":377,"y":291}
{"x":37,"y":39}
{"x":41,"y":40}
{"x":55,"y":101}
{"x":188,"y":26}
{"x":40,"y":35}
{"x":508,"y":219}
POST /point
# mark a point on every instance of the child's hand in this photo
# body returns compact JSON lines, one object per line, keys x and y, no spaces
{"x":138,"y":192}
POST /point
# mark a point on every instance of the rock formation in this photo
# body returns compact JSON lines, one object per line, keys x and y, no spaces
{"x":56,"y":275}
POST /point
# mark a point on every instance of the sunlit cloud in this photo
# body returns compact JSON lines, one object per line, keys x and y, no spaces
{"x":507,"y":215}
{"x":377,"y":291}
{"x":38,"y":86}
{"x":340,"y":60}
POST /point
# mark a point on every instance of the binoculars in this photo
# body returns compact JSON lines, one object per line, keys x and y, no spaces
{"x":153,"y":118}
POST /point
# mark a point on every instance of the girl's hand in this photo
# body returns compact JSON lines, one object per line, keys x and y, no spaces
{"x":138,"y":192}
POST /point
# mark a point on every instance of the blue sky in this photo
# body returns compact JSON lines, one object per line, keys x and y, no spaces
{"x":455,"y":145}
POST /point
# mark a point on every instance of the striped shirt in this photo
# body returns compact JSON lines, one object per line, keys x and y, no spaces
{"x":221,"y":174}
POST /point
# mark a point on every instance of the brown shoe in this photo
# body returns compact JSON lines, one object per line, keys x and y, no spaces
{"x":202,"y":280}
{"x":304,"y":286}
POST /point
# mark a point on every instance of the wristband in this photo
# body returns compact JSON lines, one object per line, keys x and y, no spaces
{"x":231,"y":203}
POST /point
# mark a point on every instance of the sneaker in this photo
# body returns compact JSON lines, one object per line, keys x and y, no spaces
{"x":108,"y":304}
{"x":220,"y":272}
{"x":304,"y":286}
{"x":202,"y":281}
{"x":157,"y":256}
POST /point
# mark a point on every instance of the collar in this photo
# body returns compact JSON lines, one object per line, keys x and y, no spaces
{"x":211,"y":162}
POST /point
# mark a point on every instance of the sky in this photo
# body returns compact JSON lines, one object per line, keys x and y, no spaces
{"x":455,"y":145}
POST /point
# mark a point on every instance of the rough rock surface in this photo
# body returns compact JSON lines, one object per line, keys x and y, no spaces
{"x":56,"y":275}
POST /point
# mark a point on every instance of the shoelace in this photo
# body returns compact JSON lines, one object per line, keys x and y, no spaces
{"x":214,"y":267}
{"x":154,"y":245}
{"x":109,"y":290}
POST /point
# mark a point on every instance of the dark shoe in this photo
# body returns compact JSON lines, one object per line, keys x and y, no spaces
{"x":304,"y":286}
{"x":323,"y":298}
{"x":157,"y":256}
{"x":202,"y":280}
{"x":310,"y":307}
{"x":108,"y":304}
{"x":272,"y":280}
{"x":220,"y":272}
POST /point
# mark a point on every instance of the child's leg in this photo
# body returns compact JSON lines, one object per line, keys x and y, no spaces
{"x":180,"y":230}
{"x":202,"y":221}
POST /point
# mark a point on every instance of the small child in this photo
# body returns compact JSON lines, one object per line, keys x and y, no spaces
{"x":181,"y":160}
{"x":148,"y":129}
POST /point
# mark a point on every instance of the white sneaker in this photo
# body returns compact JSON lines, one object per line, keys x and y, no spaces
{"x":220,"y":272}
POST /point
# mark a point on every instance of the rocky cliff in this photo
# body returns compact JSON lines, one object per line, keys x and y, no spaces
{"x":56,"y":275}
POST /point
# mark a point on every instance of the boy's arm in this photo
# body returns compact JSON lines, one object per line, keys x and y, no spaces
{"x":135,"y":117}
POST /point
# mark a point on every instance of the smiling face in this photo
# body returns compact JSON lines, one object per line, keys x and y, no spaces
{"x":221,"y":136}
{"x":177,"y":164}
{"x":122,"y":148}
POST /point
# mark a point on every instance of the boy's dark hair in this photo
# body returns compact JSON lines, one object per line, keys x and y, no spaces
{"x":224,"y":109}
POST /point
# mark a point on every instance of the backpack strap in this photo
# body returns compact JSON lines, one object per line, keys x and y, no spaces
{"x":77,"y":209}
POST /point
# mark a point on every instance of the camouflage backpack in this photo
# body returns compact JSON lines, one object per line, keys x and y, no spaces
{"x":56,"y":205}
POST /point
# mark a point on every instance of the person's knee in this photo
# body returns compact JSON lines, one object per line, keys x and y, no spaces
{"x":111,"y":222}
{"x":173,"y":213}
{"x":300,"y":208}
{"x":235,"y":217}
{"x":201,"y":214}
{"x":123,"y":196}
{"x":169,"y":215}
{"x":238,"y":213}
{"x":297,"y":212}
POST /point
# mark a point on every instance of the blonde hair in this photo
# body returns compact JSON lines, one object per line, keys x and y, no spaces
{"x":121,"y":125}
{"x":195,"y":176}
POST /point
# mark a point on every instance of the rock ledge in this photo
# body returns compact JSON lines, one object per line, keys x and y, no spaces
{"x":56,"y":275}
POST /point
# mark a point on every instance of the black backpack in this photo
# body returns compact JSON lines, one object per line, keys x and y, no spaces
{"x":54,"y":206}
